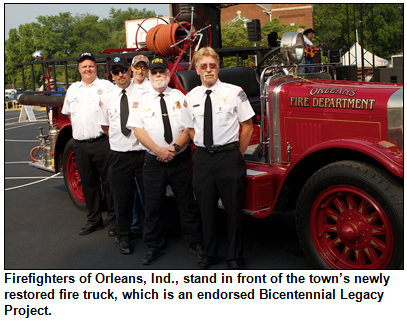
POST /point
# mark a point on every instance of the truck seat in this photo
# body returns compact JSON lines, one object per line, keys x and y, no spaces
{"x":245,"y":77}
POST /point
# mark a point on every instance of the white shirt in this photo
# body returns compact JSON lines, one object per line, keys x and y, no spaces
{"x":147,"y":116}
{"x":110,"y":116}
{"x":144,"y":85}
{"x":308,"y":42}
{"x":82,"y":104}
{"x":230,"y":107}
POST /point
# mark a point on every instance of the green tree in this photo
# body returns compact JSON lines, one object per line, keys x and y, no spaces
{"x":344,"y":20}
{"x":64,"y":35}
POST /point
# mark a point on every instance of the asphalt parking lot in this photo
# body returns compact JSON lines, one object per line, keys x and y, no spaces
{"x":41,"y":224}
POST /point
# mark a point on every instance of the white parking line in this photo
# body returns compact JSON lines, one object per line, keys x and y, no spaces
{"x":12,"y":162}
{"x":21,"y":140}
{"x":16,"y":127}
{"x":31,"y":183}
{"x":20,"y":178}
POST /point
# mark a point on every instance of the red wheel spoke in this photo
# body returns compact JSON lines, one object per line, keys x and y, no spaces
{"x":333,"y":214}
{"x":363,"y":207}
{"x":378,"y":244}
{"x":371,"y":253}
{"x":351,"y":202}
{"x":340,"y":206}
{"x":329,"y":228}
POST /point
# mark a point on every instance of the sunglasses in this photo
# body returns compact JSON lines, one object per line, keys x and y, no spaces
{"x":117,"y":72}
{"x":140,"y":67}
{"x":205,"y":66}
{"x":162,"y":72}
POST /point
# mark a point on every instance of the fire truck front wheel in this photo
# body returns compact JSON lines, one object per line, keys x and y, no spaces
{"x":72,"y":178}
{"x":350,"y":216}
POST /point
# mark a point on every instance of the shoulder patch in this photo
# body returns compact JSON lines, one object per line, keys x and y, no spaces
{"x":242,"y":95}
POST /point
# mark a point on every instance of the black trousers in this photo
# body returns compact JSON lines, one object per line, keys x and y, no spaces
{"x":124,"y":167}
{"x":220,"y":175}
{"x":92,"y":162}
{"x":157,"y":176}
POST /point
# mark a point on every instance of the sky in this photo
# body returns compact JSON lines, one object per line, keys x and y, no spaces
{"x":18,"y":14}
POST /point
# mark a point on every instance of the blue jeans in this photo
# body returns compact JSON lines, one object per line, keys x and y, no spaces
{"x":309,"y":69}
{"x":138,"y":211}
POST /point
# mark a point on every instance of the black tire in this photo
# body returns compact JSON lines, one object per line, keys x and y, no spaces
{"x":350,"y":216}
{"x":72,"y":177}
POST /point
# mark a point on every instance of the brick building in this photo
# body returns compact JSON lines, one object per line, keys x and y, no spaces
{"x":289,"y":14}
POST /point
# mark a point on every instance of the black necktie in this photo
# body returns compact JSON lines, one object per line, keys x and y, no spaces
{"x":124,"y":113}
{"x":208,"y":128}
{"x":166,"y":120}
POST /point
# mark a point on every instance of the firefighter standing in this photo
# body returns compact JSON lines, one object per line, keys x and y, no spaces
{"x":213,"y":112}
{"x":125,"y":156}
{"x":156,"y":123}
{"x":91,"y":144}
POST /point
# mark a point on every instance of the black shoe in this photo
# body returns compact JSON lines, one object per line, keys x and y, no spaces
{"x":205,"y":262}
{"x":235,"y":265}
{"x":150,"y":256}
{"x":197,"y":249}
{"x":112,"y":231}
{"x":125,"y":247}
{"x":90,"y":228}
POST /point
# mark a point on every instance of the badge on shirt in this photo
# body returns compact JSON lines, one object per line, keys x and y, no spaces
{"x":147,"y":109}
{"x":100,"y":91}
{"x":135,"y":104}
{"x":196,"y":105}
{"x":224,"y":100}
{"x":177,"y":105}
{"x":100,"y":104}
{"x":185,"y":104}
{"x":242,"y":95}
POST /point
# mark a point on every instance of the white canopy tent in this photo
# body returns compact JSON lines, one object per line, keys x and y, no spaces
{"x":356,"y":54}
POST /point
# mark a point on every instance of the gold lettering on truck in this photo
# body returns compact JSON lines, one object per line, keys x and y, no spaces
{"x":331,"y":102}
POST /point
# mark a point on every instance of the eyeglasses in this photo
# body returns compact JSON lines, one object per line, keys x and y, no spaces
{"x":205,"y":66}
{"x":117,"y":72}
{"x":140,"y":67}
{"x":162,"y":71}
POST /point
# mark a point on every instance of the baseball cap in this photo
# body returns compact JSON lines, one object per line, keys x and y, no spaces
{"x":86,"y":55}
{"x":139,"y":58}
{"x":158,"y":62}
{"x":120,"y":61}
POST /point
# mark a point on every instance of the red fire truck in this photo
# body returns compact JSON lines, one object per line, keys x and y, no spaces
{"x":331,"y":149}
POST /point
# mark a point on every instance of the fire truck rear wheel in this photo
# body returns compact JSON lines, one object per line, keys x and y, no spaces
{"x":72,"y":178}
{"x":350,"y":216}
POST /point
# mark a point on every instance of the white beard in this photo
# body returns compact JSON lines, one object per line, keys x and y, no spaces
{"x":160,"y":83}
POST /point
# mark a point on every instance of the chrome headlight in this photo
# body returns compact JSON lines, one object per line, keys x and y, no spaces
{"x":395,"y":118}
{"x":292,"y":47}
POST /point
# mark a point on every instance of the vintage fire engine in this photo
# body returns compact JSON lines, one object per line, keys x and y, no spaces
{"x":332,"y":150}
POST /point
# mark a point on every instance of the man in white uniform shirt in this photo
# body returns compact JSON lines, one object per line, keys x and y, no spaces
{"x":139,"y":67}
{"x":156,"y":123}
{"x":91,"y":144}
{"x":214,"y":112}
{"x":125,"y":156}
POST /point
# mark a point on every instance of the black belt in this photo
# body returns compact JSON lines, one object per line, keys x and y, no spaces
{"x":222,"y":148}
{"x":93,"y":140}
